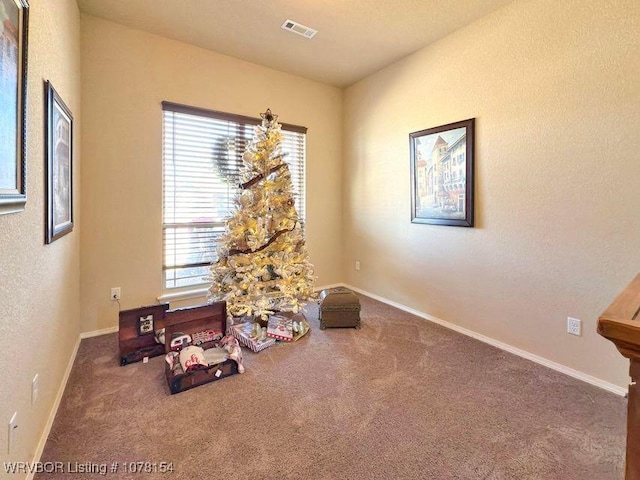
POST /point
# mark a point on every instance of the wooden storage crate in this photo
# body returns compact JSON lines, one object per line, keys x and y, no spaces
{"x":189,"y":321}
{"x":134,"y":343}
{"x":339,"y":307}
{"x":185,"y":381}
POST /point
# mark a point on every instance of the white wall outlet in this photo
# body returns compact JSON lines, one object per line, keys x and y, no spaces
{"x":13,"y":433}
{"x":574,"y":326}
{"x":115,"y":293}
{"x":357,"y":265}
{"x":35,"y":388}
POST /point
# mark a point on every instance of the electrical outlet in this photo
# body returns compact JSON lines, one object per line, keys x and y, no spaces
{"x":357,"y":265}
{"x":35,"y":388}
{"x":13,"y":433}
{"x":115,"y":293}
{"x":574,"y":326}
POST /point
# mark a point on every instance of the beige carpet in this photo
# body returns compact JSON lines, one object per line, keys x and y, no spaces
{"x":399,"y":399}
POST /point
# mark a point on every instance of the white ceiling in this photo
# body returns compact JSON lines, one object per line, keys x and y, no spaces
{"x":355,"y":37}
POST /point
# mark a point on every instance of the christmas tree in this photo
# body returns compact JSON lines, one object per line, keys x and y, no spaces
{"x":263,"y":266}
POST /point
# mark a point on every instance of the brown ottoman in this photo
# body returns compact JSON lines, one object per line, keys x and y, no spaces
{"x":339,"y":307}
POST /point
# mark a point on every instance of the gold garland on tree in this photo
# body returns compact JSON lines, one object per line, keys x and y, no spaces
{"x":263,"y":266}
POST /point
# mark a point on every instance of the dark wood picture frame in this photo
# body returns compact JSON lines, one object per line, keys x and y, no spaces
{"x":13,"y":106}
{"x":442,"y":174}
{"x":59,"y":163}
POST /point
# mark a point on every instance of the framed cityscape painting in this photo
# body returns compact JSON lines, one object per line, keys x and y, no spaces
{"x":13,"y":101}
{"x":59,"y":127}
{"x":442,"y":160}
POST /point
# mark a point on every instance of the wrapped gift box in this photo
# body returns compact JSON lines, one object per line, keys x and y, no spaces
{"x":280,"y":328}
{"x":242,"y":331}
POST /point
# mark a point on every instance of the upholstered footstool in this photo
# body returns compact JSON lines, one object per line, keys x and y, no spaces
{"x":339,"y":307}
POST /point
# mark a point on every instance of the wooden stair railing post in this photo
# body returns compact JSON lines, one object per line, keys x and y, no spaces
{"x":620,"y":323}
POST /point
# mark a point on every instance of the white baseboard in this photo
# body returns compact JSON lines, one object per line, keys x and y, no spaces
{"x":54,"y":409}
{"x":97,"y":333}
{"x":503,"y":346}
{"x":61,"y":389}
{"x":324,"y":287}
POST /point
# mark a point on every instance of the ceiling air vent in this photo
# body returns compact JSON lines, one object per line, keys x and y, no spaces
{"x":298,"y":28}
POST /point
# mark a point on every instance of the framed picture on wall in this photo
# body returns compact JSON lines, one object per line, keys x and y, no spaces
{"x":13,"y":101}
{"x":442,"y":160}
{"x":59,"y":128}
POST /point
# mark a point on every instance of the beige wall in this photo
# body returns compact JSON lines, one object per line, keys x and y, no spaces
{"x":553,"y":87}
{"x":39,"y":284}
{"x":554,"y":90}
{"x":126,"y":73}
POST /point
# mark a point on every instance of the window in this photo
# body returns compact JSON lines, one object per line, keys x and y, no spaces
{"x":202,"y":160}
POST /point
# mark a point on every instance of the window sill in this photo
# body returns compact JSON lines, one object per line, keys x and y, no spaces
{"x":183,"y":295}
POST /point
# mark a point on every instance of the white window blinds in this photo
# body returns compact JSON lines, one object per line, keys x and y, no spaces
{"x":202,"y":160}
